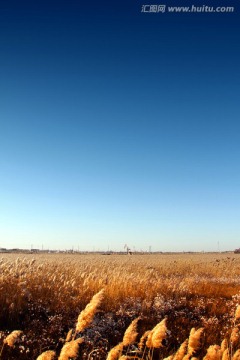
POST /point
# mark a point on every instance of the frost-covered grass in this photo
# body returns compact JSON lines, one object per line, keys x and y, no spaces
{"x":43,"y":295}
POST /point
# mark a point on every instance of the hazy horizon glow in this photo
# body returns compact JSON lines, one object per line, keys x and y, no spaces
{"x":118,"y":127}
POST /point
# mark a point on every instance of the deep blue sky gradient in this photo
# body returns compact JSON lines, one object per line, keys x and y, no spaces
{"x":119,"y":127}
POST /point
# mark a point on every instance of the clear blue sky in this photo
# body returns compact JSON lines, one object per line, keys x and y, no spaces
{"x":118,"y":126}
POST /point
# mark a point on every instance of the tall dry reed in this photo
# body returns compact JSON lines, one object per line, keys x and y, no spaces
{"x":214,"y":352}
{"x":131,"y":334}
{"x":115,"y":352}
{"x":86,"y":315}
{"x":70,"y":349}
{"x":47,"y":355}
{"x":159,"y":333}
{"x":194,"y":340}
{"x":12,"y":338}
{"x":182,"y":351}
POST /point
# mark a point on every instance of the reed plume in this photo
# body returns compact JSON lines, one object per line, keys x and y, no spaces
{"x":181,"y":351}
{"x":226,"y":355}
{"x":47,"y":355}
{"x":159,"y":334}
{"x":86,"y":315}
{"x":149,"y":339}
{"x":12,"y":338}
{"x":214,"y":352}
{"x":234,"y":338}
{"x":125,"y":357}
{"x":194,"y":340}
{"x":130,"y":334}
{"x":142,"y":341}
{"x":237,"y":313}
{"x":236,"y":355}
{"x":69,"y":336}
{"x":70,"y":349}
{"x":187,"y":357}
{"x":115,"y":352}
{"x":224,"y":345}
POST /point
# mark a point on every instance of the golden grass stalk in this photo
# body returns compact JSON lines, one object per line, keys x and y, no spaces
{"x":47,"y":355}
{"x":69,"y":335}
{"x":226,"y":355}
{"x":159,"y":334}
{"x":130,"y":334}
{"x":181,"y":351}
{"x":237,"y":313}
{"x":126,"y":357}
{"x":214,"y":352}
{"x":194,"y":340}
{"x":236,"y":355}
{"x":224,"y":345}
{"x":115,"y":352}
{"x":12,"y":337}
{"x":187,"y":357}
{"x":170,"y":357}
{"x":86,"y":315}
{"x":70,"y":349}
{"x":142,"y":341}
{"x":234,"y":338}
{"x":149,"y":339}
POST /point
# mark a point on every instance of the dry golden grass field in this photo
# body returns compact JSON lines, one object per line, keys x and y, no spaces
{"x":75,"y":306}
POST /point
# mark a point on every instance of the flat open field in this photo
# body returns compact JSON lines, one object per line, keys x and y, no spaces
{"x":43,"y":294}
